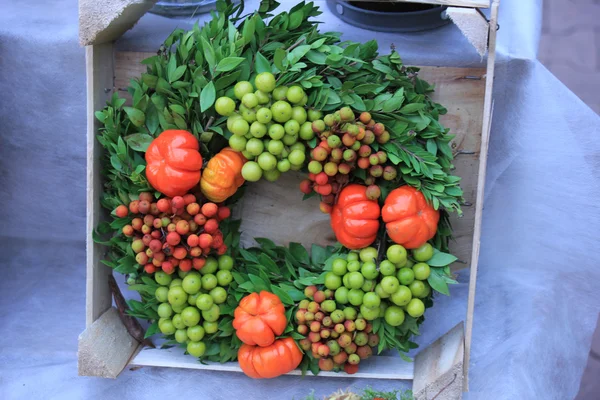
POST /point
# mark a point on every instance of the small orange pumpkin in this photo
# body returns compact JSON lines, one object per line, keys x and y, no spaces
{"x":410,"y":221}
{"x":355,"y":218}
{"x":223,"y":175}
{"x":279,"y":358}
{"x":259,"y":318}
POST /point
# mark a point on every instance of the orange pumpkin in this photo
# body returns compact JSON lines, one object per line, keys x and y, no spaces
{"x":173,"y":162}
{"x":259,"y":318}
{"x":410,"y":221}
{"x":223,"y":175}
{"x":279,"y":358}
{"x":355,"y":218}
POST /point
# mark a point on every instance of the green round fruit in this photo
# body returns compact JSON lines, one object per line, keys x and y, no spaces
{"x":279,"y":93}
{"x":196,"y":349}
{"x":315,"y":167}
{"x":195,"y":333}
{"x":369,"y":270}
{"x":314,"y":115}
{"x":355,"y":297}
{"x":192,"y":298}
{"x":368,"y":254}
{"x":350,"y":313}
{"x":161,"y":294}
{"x":238,"y":143}
{"x":341,"y":295}
{"x":209,"y":281}
{"x":225,"y":262}
{"x":332,"y":281}
{"x":165,"y":310}
{"x":289,"y":140}
{"x":295,"y":94}
{"x":328,"y":306}
{"x":282,"y":111}
{"x":263,"y":98}
{"x":178,"y":321}
{"x":369,"y":314}
{"x":162,"y":278}
{"x":264,"y":115}
{"x":390,"y":284}
{"x":275,"y":147}
{"x":417,"y":288}
{"x":265,"y":81}
{"x":175,"y":282}
{"x":191,"y":283}
{"x":387,"y":268}
{"x":394,"y":315}
{"x":423,"y":253}
{"x":166,"y":326}
{"x":267,"y":161}
{"x":177,"y":296}
{"x":242,"y":88}
{"x":250,"y":100}
{"x":297,"y":157}
{"x":190,"y":316}
{"x":225,"y":106}
{"x":353,"y":266}
{"x":283,"y":165}
{"x":371,"y":300}
{"x":427,"y":291}
{"x":276,"y":132}
{"x":255,"y":146}
{"x":212,"y":315}
{"x":210,"y":327}
{"x":338,"y":266}
{"x":422,"y":271}
{"x":251,"y":172}
{"x":249,"y":115}
{"x":402,"y":296}
{"x":210,"y":267}
{"x":306,"y":131}
{"x":380,"y":292}
{"x":258,"y":130}
{"x":368,"y":286}
{"x":292,"y":127}
{"x":219,"y":295}
{"x":181,"y":336}
{"x":406,"y":276}
{"x":396,"y":254}
{"x":179,"y":308}
{"x":232,"y":118}
{"x":224,"y":278}
{"x":415,"y":308}
{"x":240,"y":127}
{"x":299,"y":114}
{"x":352,"y":256}
{"x":355,"y":280}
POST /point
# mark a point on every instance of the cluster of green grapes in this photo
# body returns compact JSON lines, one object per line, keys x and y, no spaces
{"x":189,"y":305}
{"x":386,"y":289}
{"x":266,"y":126}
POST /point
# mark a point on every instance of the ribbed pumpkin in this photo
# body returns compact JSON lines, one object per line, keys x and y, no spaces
{"x":355,"y":218}
{"x":410,"y":221}
{"x":269,"y":362}
{"x":223,"y":175}
{"x":259,"y":318}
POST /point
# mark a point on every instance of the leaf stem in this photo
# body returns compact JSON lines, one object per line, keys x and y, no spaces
{"x":298,"y":43}
{"x":209,"y":123}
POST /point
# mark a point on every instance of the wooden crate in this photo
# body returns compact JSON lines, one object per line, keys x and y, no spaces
{"x":106,"y":347}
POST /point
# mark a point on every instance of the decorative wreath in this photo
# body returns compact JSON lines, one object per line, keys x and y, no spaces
{"x":247,"y":97}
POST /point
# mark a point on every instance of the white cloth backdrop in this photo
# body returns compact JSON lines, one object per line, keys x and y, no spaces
{"x":537,"y":295}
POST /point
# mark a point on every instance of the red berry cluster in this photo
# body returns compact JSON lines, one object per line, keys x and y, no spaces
{"x":346,"y":145}
{"x":338,"y":339}
{"x":170,"y":233}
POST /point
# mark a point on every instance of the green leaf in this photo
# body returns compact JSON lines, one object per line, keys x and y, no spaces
{"x":299,"y":253}
{"x":178,"y":73}
{"x":139,"y":141}
{"x":440,"y":259}
{"x":412,"y":108}
{"x":318,"y":255}
{"x":258,"y":283}
{"x":296,"y":19}
{"x":229,"y":63}
{"x":261,"y":64}
{"x":278,"y":58}
{"x":136,"y":116}
{"x":392,"y":104}
{"x":152,"y":330}
{"x":437,"y":281}
{"x":283,"y":296}
{"x":316,"y":57}
{"x":207,"y":97}
{"x":432,"y":146}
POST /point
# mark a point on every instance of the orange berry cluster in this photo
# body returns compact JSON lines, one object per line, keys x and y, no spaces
{"x":173,"y":232}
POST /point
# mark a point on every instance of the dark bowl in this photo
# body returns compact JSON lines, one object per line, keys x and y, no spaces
{"x":389,"y":17}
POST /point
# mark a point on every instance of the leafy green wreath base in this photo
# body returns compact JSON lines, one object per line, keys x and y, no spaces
{"x":178,"y":91}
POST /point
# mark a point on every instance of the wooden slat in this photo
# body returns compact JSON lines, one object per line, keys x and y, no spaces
{"x":485,"y":137}
{"x":380,"y":367}
{"x":99,"y":72}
